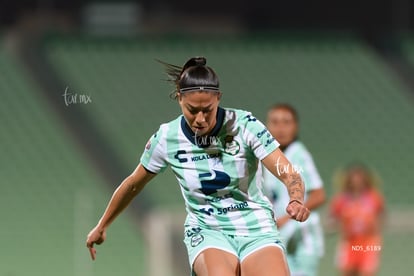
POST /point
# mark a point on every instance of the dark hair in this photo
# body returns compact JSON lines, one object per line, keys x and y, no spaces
{"x":358,"y":167}
{"x":287,"y":107}
{"x":342,"y":176}
{"x":195,"y":75}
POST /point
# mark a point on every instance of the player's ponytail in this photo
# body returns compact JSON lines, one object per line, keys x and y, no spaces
{"x":195,"y":75}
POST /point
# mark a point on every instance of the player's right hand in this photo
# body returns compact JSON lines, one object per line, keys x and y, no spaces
{"x":96,"y":236}
{"x":297,"y":210}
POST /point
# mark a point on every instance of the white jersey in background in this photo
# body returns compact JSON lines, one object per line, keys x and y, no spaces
{"x":308,"y":233}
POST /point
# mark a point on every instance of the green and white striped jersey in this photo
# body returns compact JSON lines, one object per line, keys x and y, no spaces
{"x":218,"y":174}
{"x":308,"y":232}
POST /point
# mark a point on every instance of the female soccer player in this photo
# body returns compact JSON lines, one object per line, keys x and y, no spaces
{"x":304,"y":241}
{"x":358,"y":209}
{"x":214,"y":153}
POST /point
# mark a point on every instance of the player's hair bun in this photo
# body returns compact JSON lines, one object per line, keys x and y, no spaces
{"x":195,"y":61}
{"x":194,"y":74}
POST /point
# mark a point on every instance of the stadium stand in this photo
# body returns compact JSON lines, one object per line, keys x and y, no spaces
{"x":407,"y":47}
{"x":51,"y":196}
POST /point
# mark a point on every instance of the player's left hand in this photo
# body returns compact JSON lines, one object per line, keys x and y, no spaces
{"x":297,"y":210}
{"x":95,"y":236}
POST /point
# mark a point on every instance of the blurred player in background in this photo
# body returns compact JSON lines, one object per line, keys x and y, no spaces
{"x":304,"y":242}
{"x":215,"y":153}
{"x":358,"y":210}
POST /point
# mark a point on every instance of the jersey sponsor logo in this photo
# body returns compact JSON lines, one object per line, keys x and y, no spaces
{"x":232,"y":207}
{"x":250,"y":118}
{"x":180,"y":156}
{"x":269,"y":141}
{"x":262,"y":133}
{"x":269,"y":138}
{"x":196,"y":158}
{"x":192,"y":231}
{"x":206,"y":211}
{"x":213,"y":181}
{"x":225,"y":210}
{"x":177,"y":156}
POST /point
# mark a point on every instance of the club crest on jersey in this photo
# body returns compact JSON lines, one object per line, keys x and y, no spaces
{"x":196,"y":240}
{"x":196,"y":237}
{"x":231,"y":146}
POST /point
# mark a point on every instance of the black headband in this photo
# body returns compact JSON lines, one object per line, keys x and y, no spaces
{"x":199,"y":88}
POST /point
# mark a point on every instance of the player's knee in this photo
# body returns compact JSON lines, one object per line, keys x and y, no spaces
{"x":214,"y":271}
{"x":221,"y":269}
{"x":269,"y":261}
{"x":215,"y":262}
